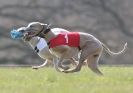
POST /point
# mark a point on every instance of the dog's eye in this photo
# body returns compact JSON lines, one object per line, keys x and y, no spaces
{"x":31,"y":26}
{"x":22,"y":31}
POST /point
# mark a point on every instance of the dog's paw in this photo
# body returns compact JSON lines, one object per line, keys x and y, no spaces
{"x":66,"y":68}
{"x":69,"y":71}
{"x":34,"y":67}
{"x":65,"y":71}
{"x":62,"y":70}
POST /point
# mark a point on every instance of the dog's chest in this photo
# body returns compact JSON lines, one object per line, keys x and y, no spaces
{"x":68,"y":38}
{"x":40,"y":45}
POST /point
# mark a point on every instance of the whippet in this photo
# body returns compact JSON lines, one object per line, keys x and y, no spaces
{"x":41,"y":48}
{"x":89,"y":46}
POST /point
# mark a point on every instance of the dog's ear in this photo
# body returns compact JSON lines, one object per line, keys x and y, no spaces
{"x":42,"y":24}
{"x":47,"y":26}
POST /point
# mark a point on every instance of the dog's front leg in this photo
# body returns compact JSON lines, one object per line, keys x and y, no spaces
{"x":40,"y":66}
{"x":76,"y":69}
{"x":74,"y":62}
{"x":56,"y":63}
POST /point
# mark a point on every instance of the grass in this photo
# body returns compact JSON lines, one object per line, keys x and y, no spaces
{"x":47,"y":80}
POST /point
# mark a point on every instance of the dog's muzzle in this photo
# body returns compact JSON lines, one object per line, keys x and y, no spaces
{"x":20,"y":34}
{"x":16,"y":34}
{"x":43,"y":31}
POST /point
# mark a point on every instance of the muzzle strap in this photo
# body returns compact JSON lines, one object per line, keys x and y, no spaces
{"x":40,"y":32}
{"x":46,"y":31}
{"x":43,"y":31}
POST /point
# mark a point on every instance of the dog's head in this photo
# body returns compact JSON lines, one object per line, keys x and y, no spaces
{"x":26,"y":33}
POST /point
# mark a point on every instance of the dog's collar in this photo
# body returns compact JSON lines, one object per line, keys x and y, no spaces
{"x":40,"y":31}
{"x":44,"y":32}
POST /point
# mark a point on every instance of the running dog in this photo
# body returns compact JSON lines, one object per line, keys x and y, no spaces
{"x":66,"y":45}
{"x":41,"y":48}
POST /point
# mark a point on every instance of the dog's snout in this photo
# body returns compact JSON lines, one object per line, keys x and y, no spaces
{"x":21,"y":30}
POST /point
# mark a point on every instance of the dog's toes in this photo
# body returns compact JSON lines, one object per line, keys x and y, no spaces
{"x":65,"y":71}
{"x":62,"y":70}
{"x":66,"y":68}
{"x":36,"y":68}
{"x":69,"y":71}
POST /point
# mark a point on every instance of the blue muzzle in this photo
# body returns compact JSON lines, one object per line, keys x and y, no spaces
{"x":16,"y":34}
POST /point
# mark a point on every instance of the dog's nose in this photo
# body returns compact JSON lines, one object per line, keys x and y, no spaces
{"x":21,"y":31}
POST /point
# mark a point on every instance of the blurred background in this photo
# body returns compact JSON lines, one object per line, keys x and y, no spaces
{"x":111,"y":21}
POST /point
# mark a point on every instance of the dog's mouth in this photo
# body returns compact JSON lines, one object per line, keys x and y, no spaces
{"x":28,"y":33}
{"x":23,"y":33}
{"x":28,"y":36}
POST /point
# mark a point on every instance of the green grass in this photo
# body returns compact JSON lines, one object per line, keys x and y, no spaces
{"x":47,"y":80}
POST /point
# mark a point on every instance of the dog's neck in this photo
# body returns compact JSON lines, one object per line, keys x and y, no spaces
{"x":33,"y":42}
{"x":49,"y":36}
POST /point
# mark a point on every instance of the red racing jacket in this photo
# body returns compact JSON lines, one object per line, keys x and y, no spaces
{"x":65,"y":38}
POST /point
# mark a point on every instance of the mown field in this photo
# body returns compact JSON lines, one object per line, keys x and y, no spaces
{"x":47,"y":80}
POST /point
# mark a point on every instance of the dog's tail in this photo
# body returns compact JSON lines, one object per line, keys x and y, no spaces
{"x":114,"y":53}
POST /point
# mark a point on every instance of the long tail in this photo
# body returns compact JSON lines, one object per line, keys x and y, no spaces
{"x":114,"y":53}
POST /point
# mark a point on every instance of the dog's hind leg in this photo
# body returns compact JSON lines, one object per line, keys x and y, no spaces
{"x":92,"y":62}
{"x":83,"y":56}
{"x":87,"y":51}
